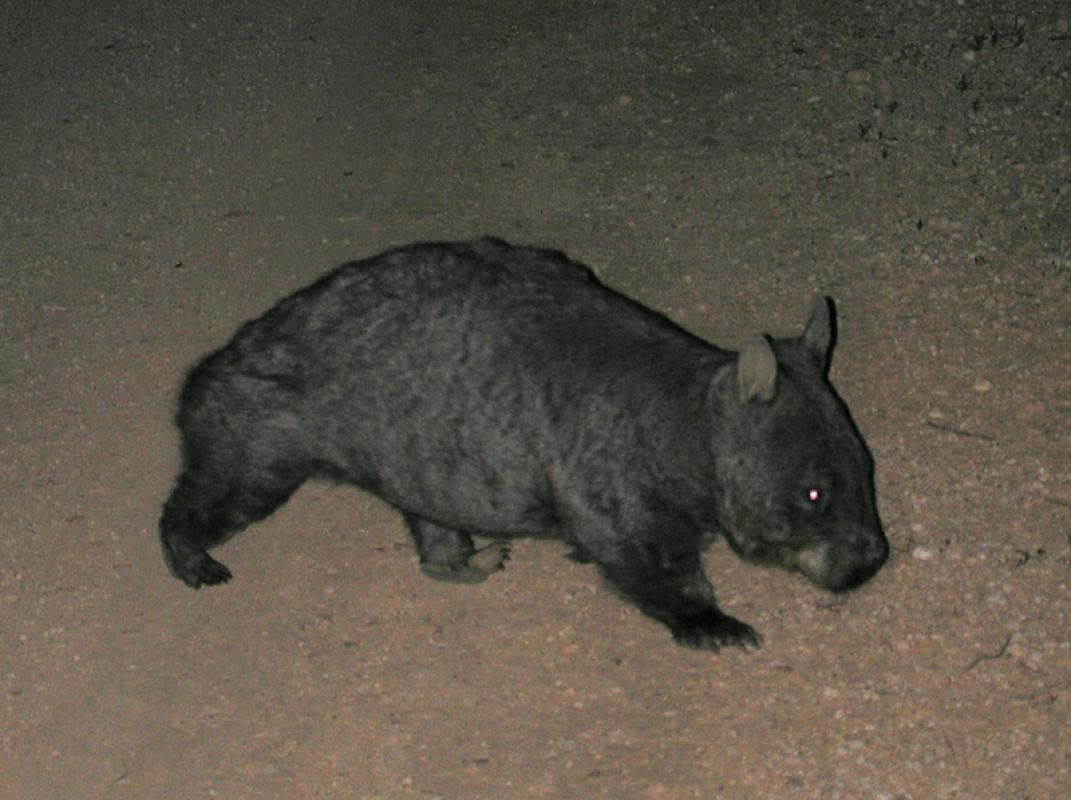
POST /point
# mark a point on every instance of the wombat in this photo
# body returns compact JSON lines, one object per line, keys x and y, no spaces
{"x":485,"y":389}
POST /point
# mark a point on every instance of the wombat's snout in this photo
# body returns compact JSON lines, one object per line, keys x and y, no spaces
{"x":840,"y":564}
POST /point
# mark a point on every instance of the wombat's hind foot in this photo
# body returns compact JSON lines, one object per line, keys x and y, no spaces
{"x":713,"y":630}
{"x":196,"y":568}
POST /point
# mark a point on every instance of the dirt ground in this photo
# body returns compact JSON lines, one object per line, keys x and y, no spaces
{"x":169,"y":170}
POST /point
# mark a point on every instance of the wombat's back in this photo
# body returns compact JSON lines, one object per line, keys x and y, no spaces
{"x":422,"y":302}
{"x":430,"y":272}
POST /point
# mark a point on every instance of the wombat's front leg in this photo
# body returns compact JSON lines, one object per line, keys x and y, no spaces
{"x":449,"y":555}
{"x":672,"y":587}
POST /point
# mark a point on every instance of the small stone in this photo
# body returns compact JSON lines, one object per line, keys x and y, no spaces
{"x":922,"y":553}
{"x":1016,"y":648}
{"x":982,"y":385}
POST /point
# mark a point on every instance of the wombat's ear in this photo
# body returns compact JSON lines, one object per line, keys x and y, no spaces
{"x":820,"y":332}
{"x":756,"y":371}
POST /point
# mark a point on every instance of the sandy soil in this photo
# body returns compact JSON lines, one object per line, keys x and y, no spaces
{"x":166,"y":174}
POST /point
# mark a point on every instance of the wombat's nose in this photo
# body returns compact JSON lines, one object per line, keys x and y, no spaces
{"x":842,"y":563}
{"x":869,"y":559}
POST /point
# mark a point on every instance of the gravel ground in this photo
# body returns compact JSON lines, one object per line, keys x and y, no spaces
{"x":167,"y":171}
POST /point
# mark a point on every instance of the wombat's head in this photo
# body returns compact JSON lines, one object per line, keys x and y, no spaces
{"x":794,"y":477}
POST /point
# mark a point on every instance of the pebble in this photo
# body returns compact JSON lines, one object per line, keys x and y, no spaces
{"x":1016,"y":648}
{"x":982,"y":385}
{"x":922,"y":553}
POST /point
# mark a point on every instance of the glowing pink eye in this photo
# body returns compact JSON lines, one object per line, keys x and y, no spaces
{"x":814,"y":495}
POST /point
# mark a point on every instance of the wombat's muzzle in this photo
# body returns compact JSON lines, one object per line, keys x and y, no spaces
{"x":842,"y":563}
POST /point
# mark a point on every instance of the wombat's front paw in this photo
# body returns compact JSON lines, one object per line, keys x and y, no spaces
{"x":490,"y":558}
{"x":714,"y":630}
{"x":476,"y":569}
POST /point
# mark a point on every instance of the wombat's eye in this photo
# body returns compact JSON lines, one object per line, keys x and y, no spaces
{"x":812,"y":498}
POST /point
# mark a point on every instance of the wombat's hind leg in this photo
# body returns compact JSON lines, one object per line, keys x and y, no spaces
{"x":449,"y":555}
{"x":187,"y":530}
{"x":673,"y":589}
{"x":204,"y":512}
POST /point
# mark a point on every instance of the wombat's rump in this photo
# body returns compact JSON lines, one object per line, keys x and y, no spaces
{"x":499,"y":391}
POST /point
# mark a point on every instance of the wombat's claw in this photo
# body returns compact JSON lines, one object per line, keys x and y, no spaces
{"x":715,"y":632}
{"x":479,"y":566}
